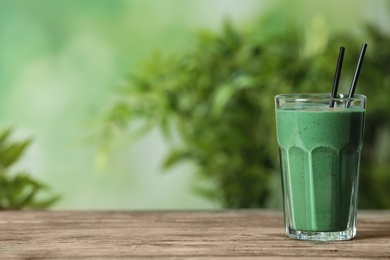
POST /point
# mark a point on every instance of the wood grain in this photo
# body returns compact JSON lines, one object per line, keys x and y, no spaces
{"x":176,"y":235}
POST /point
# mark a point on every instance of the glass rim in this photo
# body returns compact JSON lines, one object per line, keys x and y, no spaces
{"x":317,"y":96}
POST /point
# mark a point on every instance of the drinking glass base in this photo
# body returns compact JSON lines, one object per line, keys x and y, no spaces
{"x":321,"y":236}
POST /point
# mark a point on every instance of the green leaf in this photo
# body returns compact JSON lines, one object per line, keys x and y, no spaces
{"x":11,"y":153}
{"x":19,"y":190}
{"x":175,"y":156}
{"x":4,"y":135}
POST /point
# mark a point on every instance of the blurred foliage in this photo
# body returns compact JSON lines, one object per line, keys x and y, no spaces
{"x":18,"y":190}
{"x":217,"y":100}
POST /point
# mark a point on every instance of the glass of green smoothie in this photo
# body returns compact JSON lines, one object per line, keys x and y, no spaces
{"x":320,"y":148}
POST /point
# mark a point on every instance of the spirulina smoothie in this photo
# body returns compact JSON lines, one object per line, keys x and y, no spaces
{"x":320,"y":152}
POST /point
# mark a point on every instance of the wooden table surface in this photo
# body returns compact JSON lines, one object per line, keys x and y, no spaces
{"x":176,"y":235}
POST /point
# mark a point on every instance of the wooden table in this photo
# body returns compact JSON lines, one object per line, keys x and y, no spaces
{"x":176,"y":235}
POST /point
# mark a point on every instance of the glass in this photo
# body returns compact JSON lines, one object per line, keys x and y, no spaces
{"x":320,"y":150}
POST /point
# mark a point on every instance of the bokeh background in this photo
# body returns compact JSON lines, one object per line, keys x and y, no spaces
{"x":61,"y":60}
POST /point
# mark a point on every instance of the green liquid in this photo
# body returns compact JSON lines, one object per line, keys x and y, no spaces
{"x":320,"y":153}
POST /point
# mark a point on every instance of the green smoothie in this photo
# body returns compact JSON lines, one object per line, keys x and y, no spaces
{"x":320,"y":152}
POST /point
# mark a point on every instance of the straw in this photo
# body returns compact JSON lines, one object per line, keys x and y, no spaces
{"x":357,"y":72}
{"x":337,"y":77}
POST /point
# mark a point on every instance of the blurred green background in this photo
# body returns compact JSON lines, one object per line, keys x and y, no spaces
{"x":61,"y":61}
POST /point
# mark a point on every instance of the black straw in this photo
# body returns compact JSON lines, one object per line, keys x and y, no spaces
{"x":337,"y":77}
{"x":357,"y":72}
